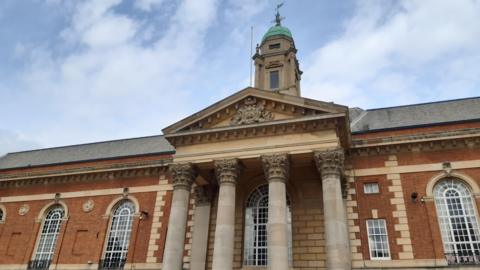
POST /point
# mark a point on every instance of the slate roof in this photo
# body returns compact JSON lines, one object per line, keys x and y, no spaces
{"x":85,"y":152}
{"x":449,"y":111}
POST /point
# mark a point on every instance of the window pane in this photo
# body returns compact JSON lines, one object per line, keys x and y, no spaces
{"x":274,"y":79}
{"x":457,"y":216}
{"x":49,"y":234}
{"x":274,"y":46}
{"x":378,"y":239}
{"x":119,"y":235}
{"x":256,"y":219}
{"x":369,"y":188}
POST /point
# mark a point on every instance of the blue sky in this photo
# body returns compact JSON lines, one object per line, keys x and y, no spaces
{"x":84,"y":71}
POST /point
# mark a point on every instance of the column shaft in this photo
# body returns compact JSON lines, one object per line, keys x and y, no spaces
{"x":200,"y":230}
{"x":227,"y":174}
{"x":276,"y":168}
{"x":330,"y":164}
{"x":175,"y":242}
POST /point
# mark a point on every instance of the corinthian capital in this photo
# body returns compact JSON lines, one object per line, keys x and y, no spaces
{"x":276,"y":167}
{"x":183,"y":175}
{"x":227,"y":170}
{"x":329,"y":162}
{"x":202,"y":195}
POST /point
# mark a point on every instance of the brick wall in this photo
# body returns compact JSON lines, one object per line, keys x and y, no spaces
{"x":82,"y":235}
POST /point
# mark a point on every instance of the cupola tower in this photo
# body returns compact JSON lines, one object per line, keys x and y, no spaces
{"x":276,"y":64}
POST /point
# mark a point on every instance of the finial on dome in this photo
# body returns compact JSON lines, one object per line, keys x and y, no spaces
{"x":278,"y":18}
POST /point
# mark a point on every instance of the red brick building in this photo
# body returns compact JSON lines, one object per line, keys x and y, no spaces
{"x":263,"y":179}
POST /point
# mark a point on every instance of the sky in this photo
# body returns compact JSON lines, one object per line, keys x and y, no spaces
{"x":75,"y":72}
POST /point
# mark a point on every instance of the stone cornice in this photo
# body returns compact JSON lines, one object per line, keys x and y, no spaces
{"x":271,"y":128}
{"x":421,"y":142}
{"x":84,"y":177}
{"x":150,"y":167}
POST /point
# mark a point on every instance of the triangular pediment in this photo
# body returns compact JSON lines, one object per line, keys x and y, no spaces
{"x":253,"y":106}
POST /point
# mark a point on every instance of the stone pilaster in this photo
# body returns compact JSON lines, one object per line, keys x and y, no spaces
{"x":330,"y":166}
{"x":200,"y":228}
{"x":400,"y":212}
{"x":158,"y":212}
{"x":183,"y":177}
{"x":353,"y":222}
{"x":276,"y":168}
{"x":227,"y":171}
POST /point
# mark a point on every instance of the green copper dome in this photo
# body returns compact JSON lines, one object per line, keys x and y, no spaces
{"x":277,"y":30}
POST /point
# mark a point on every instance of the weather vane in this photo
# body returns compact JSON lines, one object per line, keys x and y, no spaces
{"x":278,"y":18}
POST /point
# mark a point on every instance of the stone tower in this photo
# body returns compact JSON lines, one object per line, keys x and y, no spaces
{"x":276,"y":64}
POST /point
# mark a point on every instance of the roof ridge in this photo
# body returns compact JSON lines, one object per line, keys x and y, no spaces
{"x":80,"y":144}
{"x":423,"y":103}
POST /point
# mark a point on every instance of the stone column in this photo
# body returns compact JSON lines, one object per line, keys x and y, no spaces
{"x":183,"y":177}
{"x":330,"y":166}
{"x":200,"y":228}
{"x":227,"y":172}
{"x":276,"y":168}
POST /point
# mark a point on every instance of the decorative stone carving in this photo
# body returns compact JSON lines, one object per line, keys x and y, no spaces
{"x":329,"y":162}
{"x":276,"y":167}
{"x":23,"y":210}
{"x":447,"y":168}
{"x":227,"y":170}
{"x":202,"y":195}
{"x":88,"y":206}
{"x":183,"y":175}
{"x":250,"y":113}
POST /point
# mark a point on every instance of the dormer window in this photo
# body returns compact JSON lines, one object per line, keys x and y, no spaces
{"x":274,"y":79}
{"x":274,"y":46}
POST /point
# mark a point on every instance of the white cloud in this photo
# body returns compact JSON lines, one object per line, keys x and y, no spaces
{"x":397,"y":52}
{"x":147,"y":5}
{"x":11,"y":141}
{"x":108,"y":79}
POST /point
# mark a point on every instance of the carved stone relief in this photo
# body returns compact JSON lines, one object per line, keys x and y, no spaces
{"x":250,"y":113}
{"x":23,"y":210}
{"x":88,"y":206}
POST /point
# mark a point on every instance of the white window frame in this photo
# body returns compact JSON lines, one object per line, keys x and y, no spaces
{"x":48,"y":234}
{"x":462,"y":211}
{"x":368,"y":188}
{"x":119,"y":232}
{"x":257,"y":206}
{"x":372,"y":243}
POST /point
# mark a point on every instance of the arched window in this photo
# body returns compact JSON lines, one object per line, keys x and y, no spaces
{"x":458,"y":220}
{"x":2,"y":215}
{"x":116,"y":248}
{"x":48,"y":237}
{"x":256,"y":219}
